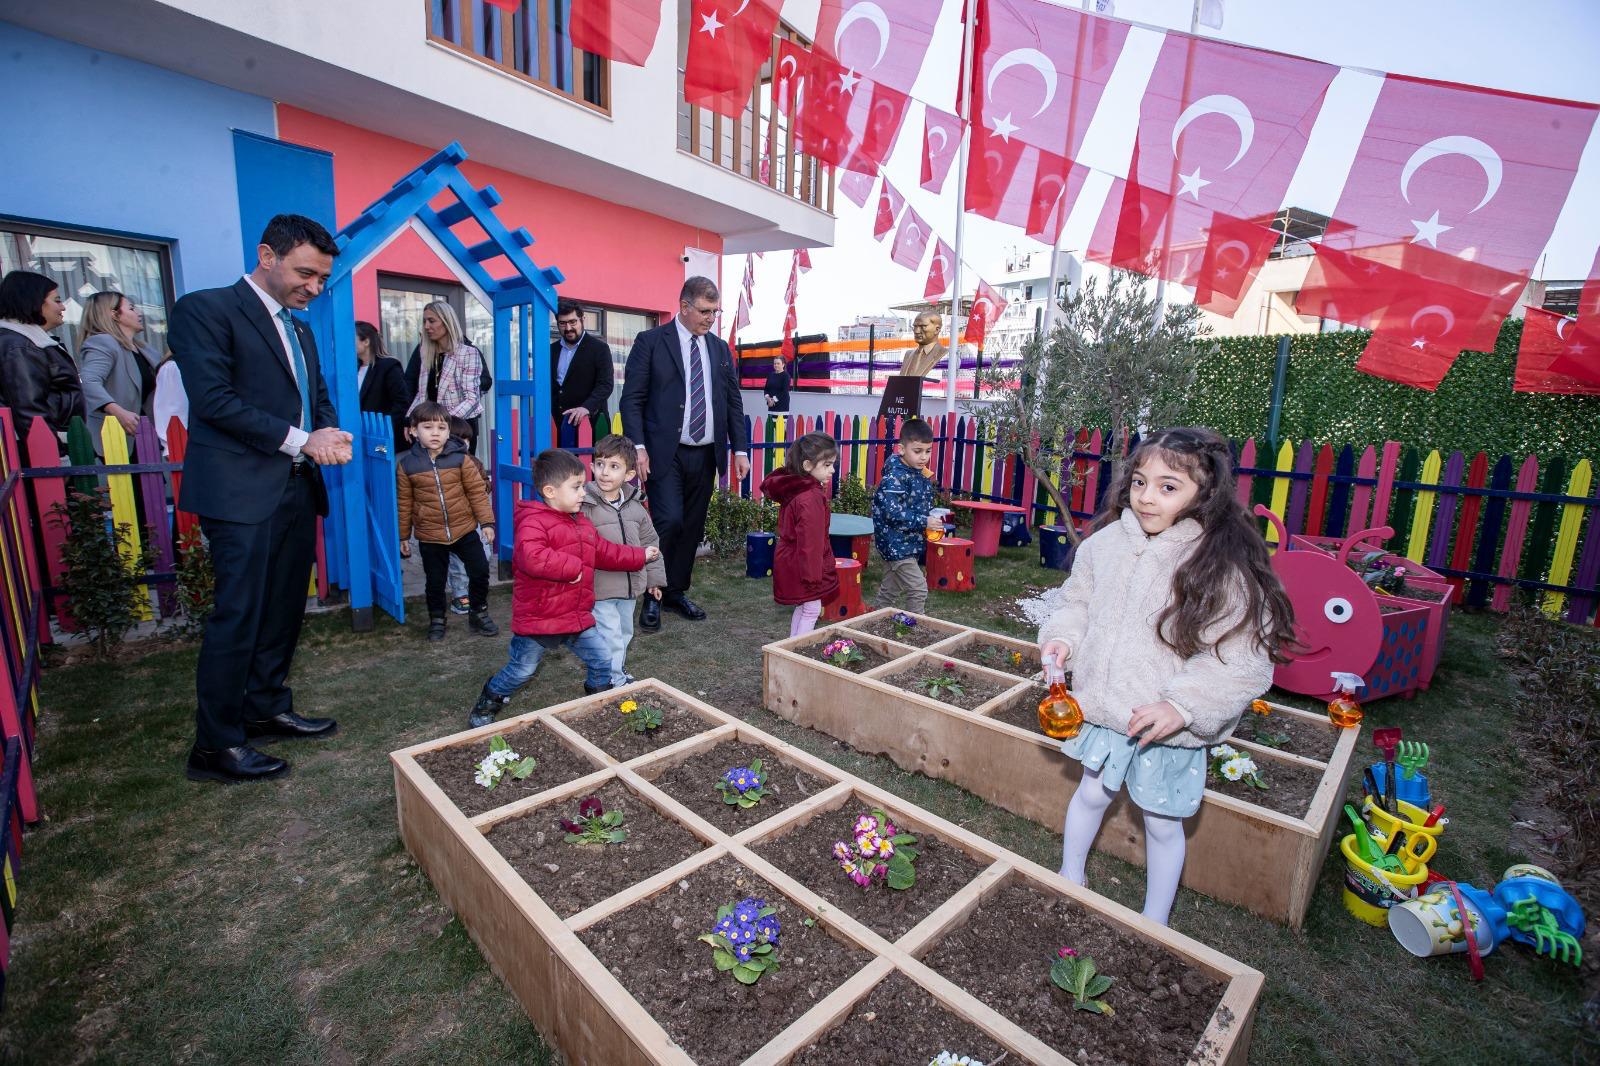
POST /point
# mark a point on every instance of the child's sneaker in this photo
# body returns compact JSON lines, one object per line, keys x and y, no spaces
{"x":460,"y":605}
{"x":590,"y":690}
{"x":435,"y":629}
{"x":488,"y":706}
{"x":481,"y":623}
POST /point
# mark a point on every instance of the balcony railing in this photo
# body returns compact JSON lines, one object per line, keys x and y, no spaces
{"x":758,"y":144}
{"x":530,"y":43}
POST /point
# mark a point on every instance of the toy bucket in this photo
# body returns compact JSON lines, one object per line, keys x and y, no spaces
{"x":1412,"y":790}
{"x":1431,"y":925}
{"x":758,"y":551}
{"x":1408,"y":821}
{"x":1370,"y":892}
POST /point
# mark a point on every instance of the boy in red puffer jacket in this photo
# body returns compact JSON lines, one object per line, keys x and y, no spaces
{"x":552,"y":599}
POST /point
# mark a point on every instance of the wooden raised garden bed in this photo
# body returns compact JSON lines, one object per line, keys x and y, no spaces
{"x":603,"y":951}
{"x":1241,"y":849}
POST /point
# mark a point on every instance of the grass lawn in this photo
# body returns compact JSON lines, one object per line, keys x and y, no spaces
{"x":166,"y":921}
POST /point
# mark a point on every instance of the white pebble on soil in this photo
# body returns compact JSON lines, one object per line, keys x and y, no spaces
{"x":1039,"y":608}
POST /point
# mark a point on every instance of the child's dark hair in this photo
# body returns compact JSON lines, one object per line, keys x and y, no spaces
{"x":553,"y":466}
{"x":1231,"y":548}
{"x":616,"y":446}
{"x":915,"y":431}
{"x":460,"y":428}
{"x":429,"y":412}
{"x":810,"y":448}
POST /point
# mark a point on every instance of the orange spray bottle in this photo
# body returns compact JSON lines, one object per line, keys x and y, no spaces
{"x":1060,"y":716}
{"x":1343,"y":710}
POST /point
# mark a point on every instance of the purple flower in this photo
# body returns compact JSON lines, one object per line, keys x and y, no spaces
{"x":570,"y":826}
{"x":1066,"y":953}
{"x":841,"y":851}
{"x":724,"y":925}
{"x":590,"y":807}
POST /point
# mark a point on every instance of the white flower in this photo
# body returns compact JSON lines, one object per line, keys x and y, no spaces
{"x":1231,"y":771}
{"x":1223,"y":749}
{"x":948,"y":1059}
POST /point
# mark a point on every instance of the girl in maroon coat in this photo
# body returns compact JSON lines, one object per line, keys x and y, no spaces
{"x":802,"y":567}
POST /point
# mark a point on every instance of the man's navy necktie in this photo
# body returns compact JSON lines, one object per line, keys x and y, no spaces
{"x":697,"y":392}
{"x":300,"y":373}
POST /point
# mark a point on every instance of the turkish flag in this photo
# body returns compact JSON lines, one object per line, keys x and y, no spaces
{"x":885,"y":42}
{"x":802,"y":259}
{"x":749,"y":275}
{"x":1021,"y":185}
{"x":839,"y":117}
{"x":1039,"y":72}
{"x":939,"y":270}
{"x":728,"y":44}
{"x":945,"y":129}
{"x":986,"y":308}
{"x":1221,"y":131}
{"x":1462,"y":185}
{"x":910,"y":240}
{"x":1556,"y":355}
{"x":856,"y":187}
{"x":742,"y":317}
{"x":623,"y":30}
{"x":889,"y":203}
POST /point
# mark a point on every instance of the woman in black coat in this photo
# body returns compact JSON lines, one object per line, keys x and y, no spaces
{"x":382,"y":382}
{"x":38,"y":378}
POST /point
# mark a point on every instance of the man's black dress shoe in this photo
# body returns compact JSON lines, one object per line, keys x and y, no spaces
{"x":686,"y":607}
{"x":289,"y":724}
{"x":650,"y":615}
{"x":233,"y":765}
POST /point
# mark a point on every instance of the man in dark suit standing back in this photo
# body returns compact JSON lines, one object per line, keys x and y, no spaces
{"x":260,"y":424}
{"x":583,"y":378}
{"x":682,"y":408}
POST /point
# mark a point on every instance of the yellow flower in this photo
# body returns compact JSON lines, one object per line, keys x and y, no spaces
{"x":629,"y":706}
{"x":1261,"y":707}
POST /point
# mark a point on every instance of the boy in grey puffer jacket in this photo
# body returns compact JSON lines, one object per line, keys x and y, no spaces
{"x":617,"y":510}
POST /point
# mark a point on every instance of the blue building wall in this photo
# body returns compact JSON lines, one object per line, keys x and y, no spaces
{"x":98,"y":141}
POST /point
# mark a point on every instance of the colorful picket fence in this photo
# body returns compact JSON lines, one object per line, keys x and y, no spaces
{"x":1493,"y":525}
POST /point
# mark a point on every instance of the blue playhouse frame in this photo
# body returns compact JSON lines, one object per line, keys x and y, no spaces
{"x":362,"y":528}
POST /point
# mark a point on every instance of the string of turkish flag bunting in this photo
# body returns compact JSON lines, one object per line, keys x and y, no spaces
{"x":1453,"y":193}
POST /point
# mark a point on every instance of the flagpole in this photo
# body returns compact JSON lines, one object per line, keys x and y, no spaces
{"x":1050,"y":304}
{"x":964,"y":95}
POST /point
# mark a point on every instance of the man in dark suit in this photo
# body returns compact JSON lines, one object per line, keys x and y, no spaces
{"x":682,"y":407}
{"x":260,"y":423}
{"x":580,"y":365}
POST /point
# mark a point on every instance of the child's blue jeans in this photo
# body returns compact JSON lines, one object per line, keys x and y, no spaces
{"x":526,"y":652}
{"x":614,"y":620}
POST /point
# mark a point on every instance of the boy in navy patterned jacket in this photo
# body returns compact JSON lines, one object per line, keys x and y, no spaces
{"x":900,"y":509}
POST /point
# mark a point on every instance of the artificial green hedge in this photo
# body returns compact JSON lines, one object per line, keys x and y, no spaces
{"x":1328,"y":401}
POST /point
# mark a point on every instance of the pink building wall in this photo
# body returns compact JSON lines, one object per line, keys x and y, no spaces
{"x":610,"y":255}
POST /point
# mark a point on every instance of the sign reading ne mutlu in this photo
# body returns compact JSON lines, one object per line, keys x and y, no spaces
{"x":902,"y":398}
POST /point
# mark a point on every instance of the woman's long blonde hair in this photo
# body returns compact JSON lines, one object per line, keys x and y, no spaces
{"x":100,"y":316}
{"x":454,"y":336}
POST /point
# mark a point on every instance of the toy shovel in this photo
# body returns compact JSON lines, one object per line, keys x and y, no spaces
{"x":1387,"y":740}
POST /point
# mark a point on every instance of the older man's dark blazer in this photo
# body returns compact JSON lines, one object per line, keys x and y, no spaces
{"x":242,"y":401}
{"x":653,"y":395}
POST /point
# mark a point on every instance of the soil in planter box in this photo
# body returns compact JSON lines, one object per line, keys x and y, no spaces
{"x":870,"y":658}
{"x":1023,"y":711}
{"x":653,"y":949}
{"x":1313,"y":740}
{"x":453,"y":769}
{"x":690,"y":783}
{"x":1290,"y":787}
{"x":606,"y":727}
{"x":806,"y":854}
{"x":1003,"y":955}
{"x":975,"y":691}
{"x":899,"y":1022}
{"x":998,"y":657}
{"x":919,"y":636}
{"x":570,"y":877}
{"x":1427,"y":593}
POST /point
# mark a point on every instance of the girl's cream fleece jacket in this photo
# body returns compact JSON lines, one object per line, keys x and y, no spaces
{"x":1120,"y":583}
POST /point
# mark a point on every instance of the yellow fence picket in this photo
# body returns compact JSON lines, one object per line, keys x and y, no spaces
{"x":114,"y":441}
{"x":1567,"y":537}
{"x":1280,"y":487}
{"x":780,"y":429}
{"x":1422,"y":514}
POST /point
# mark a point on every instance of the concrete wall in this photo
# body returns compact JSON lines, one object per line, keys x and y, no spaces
{"x":97,"y":141}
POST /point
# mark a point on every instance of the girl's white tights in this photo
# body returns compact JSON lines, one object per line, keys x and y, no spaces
{"x":804,"y":619}
{"x":1164,"y":845}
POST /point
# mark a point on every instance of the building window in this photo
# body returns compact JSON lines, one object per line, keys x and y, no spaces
{"x":530,"y":42}
{"x":85,"y":263}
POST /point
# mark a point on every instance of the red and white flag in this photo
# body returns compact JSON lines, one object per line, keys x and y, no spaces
{"x":939,"y":270}
{"x":882,"y":41}
{"x":802,"y":259}
{"x":986,"y":308}
{"x":1459,"y":188}
{"x":749,"y":284}
{"x":622,"y":30}
{"x":889,"y":203}
{"x":910,"y":240}
{"x":1557,"y":355}
{"x":790,"y":319}
{"x":855,"y":187}
{"x":728,"y":43}
{"x":941,"y":137}
{"x":1221,"y":130}
{"x":838,"y":116}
